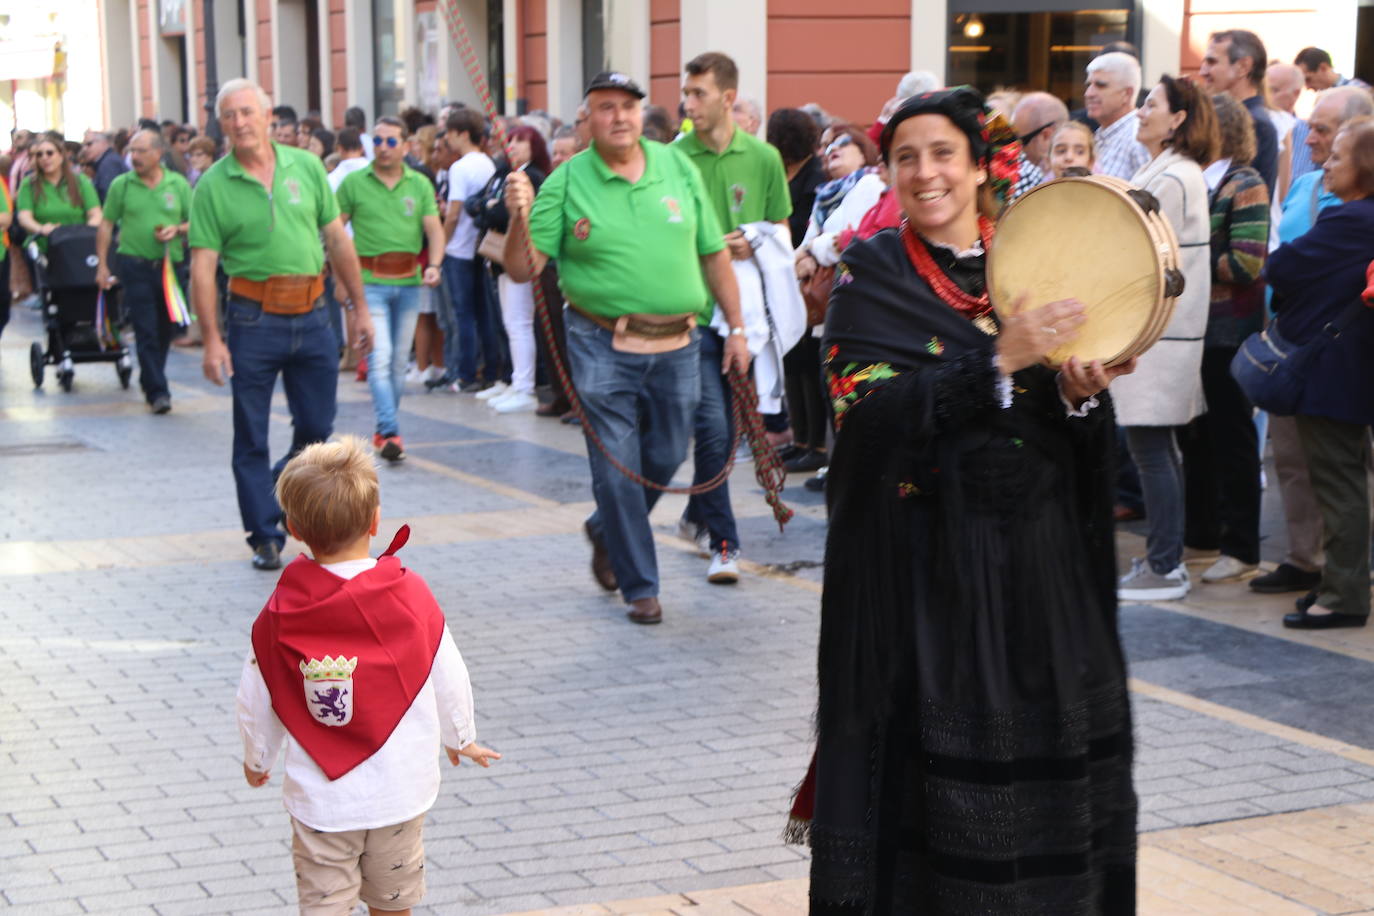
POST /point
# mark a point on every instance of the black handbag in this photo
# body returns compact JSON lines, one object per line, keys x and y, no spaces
{"x":1272,"y":371}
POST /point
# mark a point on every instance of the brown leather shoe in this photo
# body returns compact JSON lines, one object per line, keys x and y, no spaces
{"x":601,"y":561}
{"x":645,"y":610}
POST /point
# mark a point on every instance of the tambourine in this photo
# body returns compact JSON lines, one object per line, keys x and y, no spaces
{"x":1097,"y":239}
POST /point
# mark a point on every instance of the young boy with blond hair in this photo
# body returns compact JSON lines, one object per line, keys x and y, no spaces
{"x":354,"y":669}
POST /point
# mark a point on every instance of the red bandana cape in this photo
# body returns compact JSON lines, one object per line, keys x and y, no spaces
{"x":386,"y":617}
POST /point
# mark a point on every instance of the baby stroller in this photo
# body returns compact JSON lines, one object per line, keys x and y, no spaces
{"x":82,"y":326}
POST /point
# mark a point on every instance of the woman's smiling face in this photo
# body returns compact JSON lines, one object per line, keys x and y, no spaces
{"x":936,"y":178}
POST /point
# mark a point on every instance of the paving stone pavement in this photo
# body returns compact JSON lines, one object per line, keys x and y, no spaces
{"x":639,"y":762}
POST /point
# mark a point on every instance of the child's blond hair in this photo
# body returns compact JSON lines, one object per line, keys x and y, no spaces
{"x":329,"y":493}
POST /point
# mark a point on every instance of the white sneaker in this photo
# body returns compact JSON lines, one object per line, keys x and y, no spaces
{"x":493,"y":391}
{"x":724,"y":567}
{"x":696,"y":534}
{"x":1229,"y":569}
{"x":413,"y":374}
{"x":1144,"y":584}
{"x":432,"y":374}
{"x":515,"y":402}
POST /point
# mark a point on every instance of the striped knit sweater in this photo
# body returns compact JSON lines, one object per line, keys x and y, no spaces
{"x":1240,"y":235}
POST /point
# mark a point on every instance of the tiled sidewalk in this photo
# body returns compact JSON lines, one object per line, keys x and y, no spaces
{"x":642,"y":764}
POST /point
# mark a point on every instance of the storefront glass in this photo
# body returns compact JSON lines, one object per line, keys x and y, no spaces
{"x":1031,"y":51}
{"x":388,"y":56}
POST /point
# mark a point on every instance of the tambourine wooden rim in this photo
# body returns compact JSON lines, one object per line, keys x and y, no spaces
{"x":1102,"y":240}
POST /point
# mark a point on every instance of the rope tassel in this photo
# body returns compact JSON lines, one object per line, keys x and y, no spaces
{"x":768,"y":470}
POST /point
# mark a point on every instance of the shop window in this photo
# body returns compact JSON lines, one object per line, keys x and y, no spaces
{"x":1045,"y":51}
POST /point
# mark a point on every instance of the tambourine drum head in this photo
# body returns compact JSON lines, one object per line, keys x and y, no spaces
{"x":1080,"y":239}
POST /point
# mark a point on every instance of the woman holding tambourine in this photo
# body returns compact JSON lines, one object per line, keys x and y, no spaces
{"x":968,"y":623}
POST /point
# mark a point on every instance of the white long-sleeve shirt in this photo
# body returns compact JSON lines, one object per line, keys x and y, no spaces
{"x":397,"y":783}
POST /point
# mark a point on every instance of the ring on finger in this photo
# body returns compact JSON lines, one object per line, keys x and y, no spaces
{"x":1050,"y":330}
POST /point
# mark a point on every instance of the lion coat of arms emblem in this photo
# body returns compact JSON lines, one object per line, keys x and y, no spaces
{"x":328,"y":686}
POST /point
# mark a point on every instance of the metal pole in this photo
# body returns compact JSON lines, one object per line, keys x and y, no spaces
{"x":207,"y":12}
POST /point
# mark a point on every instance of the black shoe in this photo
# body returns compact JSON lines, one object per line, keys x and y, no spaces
{"x":161,"y":404}
{"x":806,"y":462}
{"x":1285,"y":578}
{"x":817,"y":484}
{"x":1305,"y":621}
{"x":267,"y":556}
{"x":791,"y":450}
{"x":1306,"y":601}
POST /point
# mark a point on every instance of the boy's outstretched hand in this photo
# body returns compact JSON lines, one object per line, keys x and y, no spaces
{"x":255,"y":778}
{"x":474,"y":751}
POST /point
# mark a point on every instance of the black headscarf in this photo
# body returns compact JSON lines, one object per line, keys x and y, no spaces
{"x":992,"y":140}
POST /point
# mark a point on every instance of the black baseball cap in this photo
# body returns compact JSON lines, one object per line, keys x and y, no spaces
{"x":614,"y":79}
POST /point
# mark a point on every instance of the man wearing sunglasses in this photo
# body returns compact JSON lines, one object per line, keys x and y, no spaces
{"x":1035,"y":119}
{"x":391,"y":209}
{"x":99,"y":154}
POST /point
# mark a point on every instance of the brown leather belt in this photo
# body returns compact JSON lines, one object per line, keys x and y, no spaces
{"x":390,"y":265}
{"x":284,"y":294}
{"x":643,"y":333}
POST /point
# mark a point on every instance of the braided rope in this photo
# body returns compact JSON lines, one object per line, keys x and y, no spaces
{"x":744,"y":403}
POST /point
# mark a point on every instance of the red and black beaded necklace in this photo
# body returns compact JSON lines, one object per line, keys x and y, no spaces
{"x":971,"y":307}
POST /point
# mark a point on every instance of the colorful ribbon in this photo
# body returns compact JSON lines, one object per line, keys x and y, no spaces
{"x":177,"y":312}
{"x":104,"y":325}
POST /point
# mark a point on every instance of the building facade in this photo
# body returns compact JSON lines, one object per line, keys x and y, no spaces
{"x":325,"y":55}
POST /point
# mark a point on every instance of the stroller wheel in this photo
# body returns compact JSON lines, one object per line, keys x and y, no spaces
{"x":65,"y":380}
{"x":36,"y":363}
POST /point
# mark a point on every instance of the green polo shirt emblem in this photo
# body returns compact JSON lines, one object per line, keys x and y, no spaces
{"x":293,"y":191}
{"x":409,"y":204}
{"x":674,"y":209}
{"x":737,"y":193}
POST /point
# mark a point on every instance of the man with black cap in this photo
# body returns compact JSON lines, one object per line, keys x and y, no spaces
{"x":634,"y":234}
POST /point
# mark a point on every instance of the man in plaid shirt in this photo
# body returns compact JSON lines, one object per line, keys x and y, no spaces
{"x":1109,"y":96}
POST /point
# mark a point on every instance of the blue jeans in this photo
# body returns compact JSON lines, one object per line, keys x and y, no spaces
{"x":303,"y":350}
{"x":1156,"y":454}
{"x":146,"y":307}
{"x":712,"y":429}
{"x":394,"y":310}
{"x":473,"y":322}
{"x":641,"y":406}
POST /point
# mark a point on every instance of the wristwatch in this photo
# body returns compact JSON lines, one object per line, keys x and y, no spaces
{"x":737,"y":332}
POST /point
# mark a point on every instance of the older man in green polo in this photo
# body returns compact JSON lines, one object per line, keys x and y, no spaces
{"x":261,"y":211}
{"x":634,"y":233}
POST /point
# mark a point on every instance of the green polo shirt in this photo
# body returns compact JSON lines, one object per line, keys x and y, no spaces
{"x":626,"y":248}
{"x":260,"y":234}
{"x":56,"y":207}
{"x":138,"y":210}
{"x":745,"y":184}
{"x":387,"y":219}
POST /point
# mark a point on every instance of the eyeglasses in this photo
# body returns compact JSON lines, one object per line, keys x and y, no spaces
{"x":838,"y":144}
{"x":391,"y":142}
{"x":1026,"y":138}
{"x":44,"y":153}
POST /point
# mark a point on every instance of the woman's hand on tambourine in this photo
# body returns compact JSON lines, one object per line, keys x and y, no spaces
{"x":1079,"y":381}
{"x":1027,"y":335}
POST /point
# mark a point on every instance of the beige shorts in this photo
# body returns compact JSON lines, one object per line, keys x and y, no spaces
{"x":384,"y":867}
